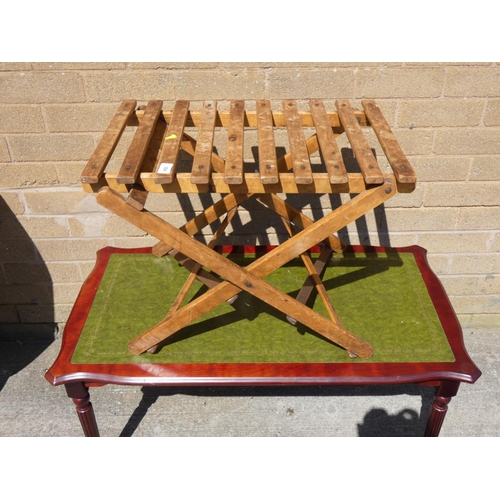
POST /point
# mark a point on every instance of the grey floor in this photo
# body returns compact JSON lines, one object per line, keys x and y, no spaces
{"x":30,"y":406}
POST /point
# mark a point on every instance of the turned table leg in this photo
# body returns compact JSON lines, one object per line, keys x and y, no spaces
{"x":80,"y":395}
{"x":442,"y":397}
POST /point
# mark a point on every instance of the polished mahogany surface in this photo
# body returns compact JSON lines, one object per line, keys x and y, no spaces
{"x":461,"y":370}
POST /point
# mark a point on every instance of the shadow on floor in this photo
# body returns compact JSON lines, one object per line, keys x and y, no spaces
{"x":15,"y":355}
{"x":377,"y":422}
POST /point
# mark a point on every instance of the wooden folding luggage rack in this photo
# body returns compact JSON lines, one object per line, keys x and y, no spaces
{"x":155,"y":169}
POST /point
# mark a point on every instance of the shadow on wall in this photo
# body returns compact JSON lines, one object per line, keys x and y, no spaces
{"x":26,"y":298}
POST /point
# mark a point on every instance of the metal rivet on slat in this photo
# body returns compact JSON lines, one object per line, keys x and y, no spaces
{"x":128,"y":167}
{"x":233,"y":166}
{"x":302,"y":167}
{"x":94,"y":166}
{"x":232,"y":137}
{"x":388,"y":190}
{"x":269,"y":167}
{"x":371,"y":166}
{"x":200,"y":167}
{"x":248,"y":284}
{"x":336,"y":167}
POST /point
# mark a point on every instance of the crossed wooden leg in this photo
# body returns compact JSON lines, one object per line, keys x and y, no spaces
{"x":250,"y":278}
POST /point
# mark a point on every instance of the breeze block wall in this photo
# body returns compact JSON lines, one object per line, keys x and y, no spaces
{"x":52,"y":115}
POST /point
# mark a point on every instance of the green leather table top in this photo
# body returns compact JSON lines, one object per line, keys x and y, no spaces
{"x":382,"y":299}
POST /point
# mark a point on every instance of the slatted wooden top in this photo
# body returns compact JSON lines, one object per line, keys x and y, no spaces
{"x":152,"y":157}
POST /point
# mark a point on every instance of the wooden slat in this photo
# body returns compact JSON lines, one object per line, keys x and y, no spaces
{"x":233,"y":173}
{"x":300,"y":156}
{"x":100,"y":158}
{"x":397,"y":159}
{"x":200,"y":173}
{"x":167,"y":164}
{"x":364,"y":156}
{"x":326,"y":138}
{"x":131,"y":166}
{"x":268,"y":166}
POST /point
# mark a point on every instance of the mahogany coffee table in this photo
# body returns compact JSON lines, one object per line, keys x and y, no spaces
{"x":388,"y":297}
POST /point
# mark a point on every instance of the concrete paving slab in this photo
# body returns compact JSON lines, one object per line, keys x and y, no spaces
{"x":30,"y":406}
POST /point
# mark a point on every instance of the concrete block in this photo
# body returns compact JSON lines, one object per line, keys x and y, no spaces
{"x":59,"y":66}
{"x":460,"y":285}
{"x":56,"y":202}
{"x":478,"y":218}
{"x":53,"y":147}
{"x":495,"y":245}
{"x":64,"y":272}
{"x":19,"y":273}
{"x":140,"y":85}
{"x":440,"y":168}
{"x":440,"y":112}
{"x":15,"y":66}
{"x":467,"y":141}
{"x":485,"y":168}
{"x":41,"y":87}
{"x":489,"y":284}
{"x":4,"y":151}
{"x":472,"y":82}
{"x":464,"y":194}
{"x":422,"y":219}
{"x":70,"y":250}
{"x":478,"y":263}
{"x":18,"y":175}
{"x":116,"y":226}
{"x":454,"y":241}
{"x":36,"y":313}
{"x":305,"y":83}
{"x":373,"y":83}
{"x":416,"y":141}
{"x":492,"y":115}
{"x":26,"y":294}
{"x":8,"y":314}
{"x":79,"y":117}
{"x":476,"y":304}
{"x":21,"y":119}
{"x":11,"y":203}
{"x":439,"y":263}
{"x":69,"y":173}
{"x":16,"y":251}
{"x":134,"y":242}
{"x":44,"y":227}
{"x":65,"y":293}
{"x":220,"y":84}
